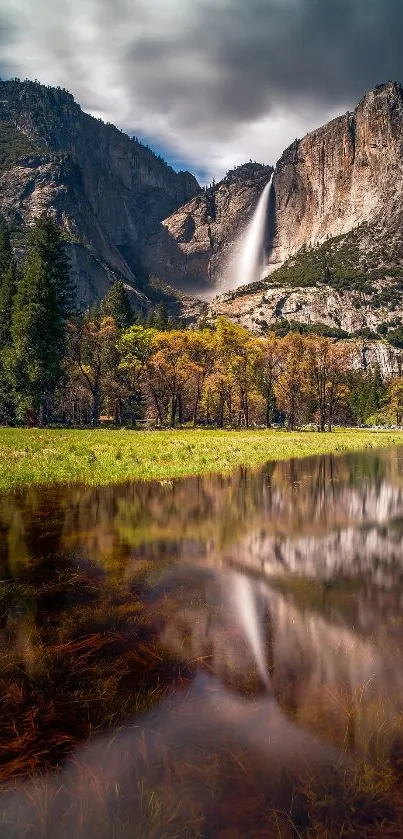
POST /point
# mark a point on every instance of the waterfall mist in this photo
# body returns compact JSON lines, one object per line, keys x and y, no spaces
{"x":245,"y":261}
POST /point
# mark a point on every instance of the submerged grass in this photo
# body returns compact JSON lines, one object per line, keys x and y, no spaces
{"x":96,"y":457}
{"x":85,"y":669}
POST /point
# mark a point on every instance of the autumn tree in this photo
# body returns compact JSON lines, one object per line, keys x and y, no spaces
{"x":327,"y":365}
{"x":199,"y":360}
{"x":394,"y":400}
{"x":91,"y":341}
{"x":271,"y":363}
{"x":168,"y":363}
{"x":219,"y":396}
{"x":239,"y":353}
{"x":135,"y":346}
{"x":118,"y":398}
{"x":290,"y":386}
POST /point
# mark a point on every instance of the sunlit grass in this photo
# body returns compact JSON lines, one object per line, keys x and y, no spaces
{"x":363,"y":802}
{"x":95,"y":457}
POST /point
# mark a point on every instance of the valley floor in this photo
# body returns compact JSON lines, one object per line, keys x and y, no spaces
{"x":96,"y":457}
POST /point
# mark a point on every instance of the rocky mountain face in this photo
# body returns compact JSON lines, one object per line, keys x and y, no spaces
{"x":342,"y":177}
{"x":108,"y":192}
{"x":335,"y":253}
{"x":194,"y":246}
{"x":262,"y":304}
{"x":345,"y":174}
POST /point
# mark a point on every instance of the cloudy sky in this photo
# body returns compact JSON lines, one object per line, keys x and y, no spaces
{"x":209,"y":83}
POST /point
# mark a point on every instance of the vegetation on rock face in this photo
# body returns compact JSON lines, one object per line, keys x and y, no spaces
{"x":283,"y":327}
{"x":14,"y":145}
{"x":336,"y":263}
{"x":341,"y":264}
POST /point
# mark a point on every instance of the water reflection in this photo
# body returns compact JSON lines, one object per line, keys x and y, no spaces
{"x":255,"y":618}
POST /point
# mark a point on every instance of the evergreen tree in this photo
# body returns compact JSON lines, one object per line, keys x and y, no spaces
{"x":378,"y":389}
{"x":6,"y":252}
{"x":158,"y":318}
{"x":367,"y":395}
{"x":7,"y":286}
{"x":139,"y":318}
{"x":117,"y":305}
{"x":38,"y":327}
{"x":7,"y":292}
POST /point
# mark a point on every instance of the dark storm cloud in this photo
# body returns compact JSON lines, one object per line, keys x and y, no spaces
{"x":324,"y":50}
{"x":262,"y":53}
{"x":197,"y":75}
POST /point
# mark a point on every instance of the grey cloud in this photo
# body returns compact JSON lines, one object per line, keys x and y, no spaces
{"x":197,"y":74}
{"x":269,"y":52}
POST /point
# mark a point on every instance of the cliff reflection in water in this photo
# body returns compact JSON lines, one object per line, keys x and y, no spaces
{"x":116,"y":600}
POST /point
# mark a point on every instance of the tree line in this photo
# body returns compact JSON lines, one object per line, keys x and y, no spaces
{"x":110,"y":363}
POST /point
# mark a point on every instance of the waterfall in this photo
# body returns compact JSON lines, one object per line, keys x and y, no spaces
{"x":250,"y":264}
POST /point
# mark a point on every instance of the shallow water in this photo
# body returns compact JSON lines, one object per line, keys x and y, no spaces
{"x":137,"y":698}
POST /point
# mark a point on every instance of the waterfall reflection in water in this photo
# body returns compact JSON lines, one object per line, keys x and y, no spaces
{"x":117,"y":600}
{"x":247,"y":610}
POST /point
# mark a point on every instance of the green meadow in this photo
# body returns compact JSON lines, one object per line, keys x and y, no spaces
{"x":103,"y":456}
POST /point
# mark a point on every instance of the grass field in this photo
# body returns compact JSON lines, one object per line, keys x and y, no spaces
{"x":39,"y":456}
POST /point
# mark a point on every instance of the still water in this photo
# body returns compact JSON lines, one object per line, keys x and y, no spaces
{"x":210,"y":657}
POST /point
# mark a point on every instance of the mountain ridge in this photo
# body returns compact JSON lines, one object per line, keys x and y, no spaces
{"x":107,"y":191}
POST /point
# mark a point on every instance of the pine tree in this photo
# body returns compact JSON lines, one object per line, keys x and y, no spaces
{"x":6,"y":252}
{"x":367,"y":395}
{"x":7,"y":292}
{"x":38,"y":327}
{"x":7,"y":286}
{"x":379,"y":388}
{"x":158,"y":318}
{"x":117,"y":305}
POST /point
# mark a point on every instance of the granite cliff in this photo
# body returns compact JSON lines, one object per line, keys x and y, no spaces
{"x":345,"y":176}
{"x":108,"y":191}
{"x":341,"y":176}
{"x":334,"y":247}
